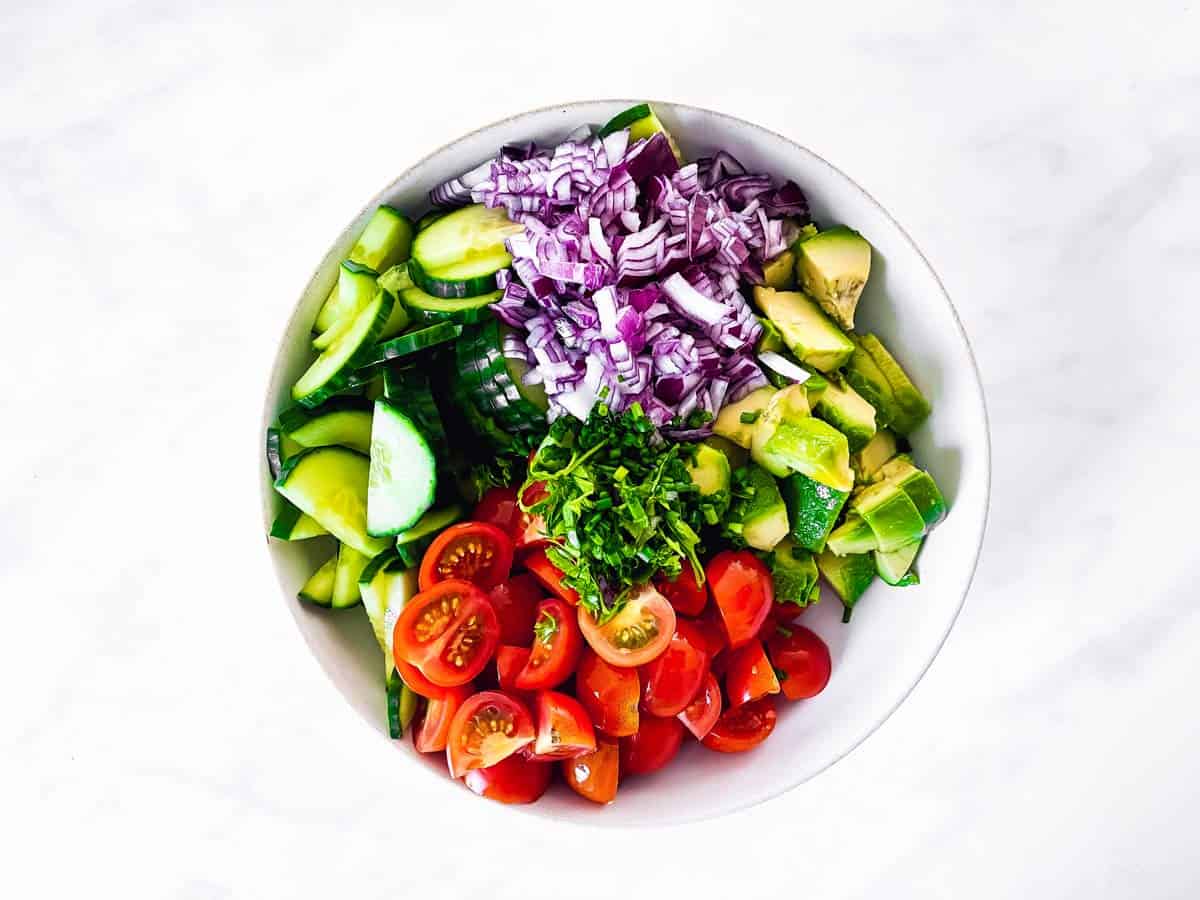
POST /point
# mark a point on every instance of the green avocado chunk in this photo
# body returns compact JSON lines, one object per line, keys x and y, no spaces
{"x":710,"y":472}
{"x":867,"y":461}
{"x":794,"y":572}
{"x":849,"y":576}
{"x":779,"y":271}
{"x":875,"y":374}
{"x":813,"y":508}
{"x":918,"y":485}
{"x":758,"y":513}
{"x":807,"y":331}
{"x":736,"y":421}
{"x":787,"y":439}
{"x":854,"y":535}
{"x":833,"y":267}
{"x":896,"y":567}
{"x":891,"y":513}
{"x":846,"y":410}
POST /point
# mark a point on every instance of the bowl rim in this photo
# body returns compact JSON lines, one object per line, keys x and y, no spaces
{"x":268,"y":409}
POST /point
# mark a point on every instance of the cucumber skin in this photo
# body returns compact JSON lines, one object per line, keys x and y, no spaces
{"x":347,"y":375}
{"x":450,"y":288}
{"x":414,"y":342}
{"x":625,"y":118}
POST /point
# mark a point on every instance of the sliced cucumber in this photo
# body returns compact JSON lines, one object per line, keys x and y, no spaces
{"x":430,"y":524}
{"x":401,"y":705}
{"x":318,"y":590}
{"x":350,"y":564}
{"x":494,"y":383}
{"x":403,"y":472}
{"x":466,"y":310}
{"x":342,"y":422}
{"x":293,"y":525}
{"x":279,"y":448}
{"x":460,"y":254}
{"x":411,"y":391}
{"x":642,"y":122}
{"x":385,"y":241}
{"x":330,"y":484}
{"x":429,"y":218}
{"x":354,"y":290}
{"x":333,"y":370}
{"x":384,"y":575}
{"x":395,"y":279}
{"x":412,"y":342}
{"x":395,"y":324}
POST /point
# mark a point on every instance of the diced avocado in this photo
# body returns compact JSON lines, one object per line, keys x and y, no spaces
{"x":710,"y":472}
{"x":867,"y":461}
{"x":736,"y":455}
{"x":736,"y":420}
{"x":794,"y":572}
{"x":896,"y":567}
{"x":849,"y":576}
{"x":918,"y":485}
{"x":892,"y":515}
{"x":815,"y":386}
{"x":875,"y":374}
{"x":852,"y":536}
{"x":833,"y":267}
{"x":806,"y":231}
{"x":807,"y":331}
{"x":757,"y":513}
{"x":813,"y":508}
{"x":779,"y":271}
{"x":771,"y":339}
{"x":789,"y":404}
{"x":845,"y":409}
{"x":793,"y":443}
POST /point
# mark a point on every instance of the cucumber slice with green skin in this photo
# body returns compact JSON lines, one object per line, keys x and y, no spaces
{"x":395,"y":279}
{"x":395,"y":324}
{"x":465,"y":310}
{"x":354,"y":289}
{"x":385,"y":241}
{"x":334,"y":369}
{"x":383,"y":575}
{"x":293,"y":525}
{"x":642,"y":122}
{"x":412,"y":342}
{"x":896,"y":567}
{"x":429,"y":218}
{"x":350,"y":564}
{"x":318,"y":590}
{"x":403,"y":473}
{"x":493,"y":382}
{"x":460,"y":254}
{"x":330,"y":484}
{"x":410,"y":391}
{"x":430,"y":524}
{"x":279,"y":448}
{"x":401,"y":705}
{"x":343,"y":423}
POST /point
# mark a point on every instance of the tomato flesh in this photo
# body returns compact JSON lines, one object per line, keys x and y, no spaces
{"x":672,"y":679}
{"x":431,"y":734}
{"x":564,"y":729}
{"x":412,"y":677}
{"x":749,"y":675}
{"x":509,"y":663}
{"x":512,"y":780}
{"x":469,"y":551}
{"x":498,"y":506}
{"x":742,"y":727}
{"x":515,"y":601}
{"x":683,"y":592}
{"x":637,"y":634}
{"x":804,"y":660}
{"x":529,"y":531}
{"x":609,"y":693}
{"x":652,"y":747}
{"x":744,"y":592}
{"x":550,"y":576}
{"x":702,"y":713}
{"x":594,"y":775}
{"x":556,"y":647}
{"x":448,"y":632}
{"x":488,"y":727}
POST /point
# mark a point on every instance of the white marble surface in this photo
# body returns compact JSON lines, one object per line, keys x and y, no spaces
{"x":169,"y":173}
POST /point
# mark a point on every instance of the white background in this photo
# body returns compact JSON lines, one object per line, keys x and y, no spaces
{"x":171,"y":171}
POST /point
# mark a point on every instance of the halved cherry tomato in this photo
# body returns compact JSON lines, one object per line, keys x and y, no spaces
{"x":744,"y":592}
{"x":652,"y":747}
{"x":609,"y":693}
{"x":683,"y":591}
{"x":470,"y":551}
{"x":556,"y":647}
{"x":635,"y":635}
{"x":412,"y":677}
{"x":529,"y":531}
{"x":712,"y":631}
{"x":749,"y":675}
{"x":512,"y":780}
{"x":498,"y":506}
{"x":488,"y":727}
{"x":803,"y":659}
{"x":704,"y":710}
{"x":593,"y":776}
{"x":509,"y":663}
{"x":743,"y":727}
{"x":431,"y":734}
{"x":448,"y":632}
{"x":563,"y":727}
{"x":670,"y":681}
{"x":516,"y":603}
{"x":550,"y":576}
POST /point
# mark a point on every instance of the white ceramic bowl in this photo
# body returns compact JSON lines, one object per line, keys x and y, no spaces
{"x":895,"y":634}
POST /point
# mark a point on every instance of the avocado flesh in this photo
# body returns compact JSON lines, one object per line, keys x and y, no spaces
{"x":794,"y":572}
{"x":918,"y":485}
{"x":895,"y":567}
{"x":909,"y":408}
{"x":710,"y":473}
{"x":788,"y":404}
{"x":868,"y":461}
{"x":806,"y":445}
{"x":853,"y":536}
{"x":762,"y":514}
{"x":729,"y":424}
{"x":735,"y":455}
{"x":892,"y":515}
{"x":833,"y":266}
{"x":813,"y":509}
{"x":846,"y":410}
{"x":807,"y":331}
{"x":771,"y":340}
{"x":778,"y":271}
{"x":849,"y":576}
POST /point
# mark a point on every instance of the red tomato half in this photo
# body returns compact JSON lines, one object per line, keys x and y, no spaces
{"x":683,"y":591}
{"x":670,"y":682}
{"x":509,"y":663}
{"x":655,"y":744}
{"x":712,"y":631}
{"x":749,"y":675}
{"x":550,"y":576}
{"x":488,"y":727}
{"x":743,"y":727}
{"x":529,"y":532}
{"x":431,"y":734}
{"x":803,"y":659}
{"x":448,"y":632}
{"x":593,"y":776}
{"x":512,"y":780}
{"x":556,"y":647}
{"x":702,"y":713}
{"x":516,"y":603}
{"x":563,"y":727}
{"x":744,"y":592}
{"x":412,"y":676}
{"x":468,"y":551}
{"x":635,"y":635}
{"x":498,"y":506}
{"x":609,"y":693}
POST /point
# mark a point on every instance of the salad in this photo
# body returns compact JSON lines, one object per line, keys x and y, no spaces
{"x":585,"y":440}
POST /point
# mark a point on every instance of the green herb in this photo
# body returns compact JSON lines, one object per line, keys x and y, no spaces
{"x":507,"y":467}
{"x":619,"y":503}
{"x":545,"y":628}
{"x":750,"y":416}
